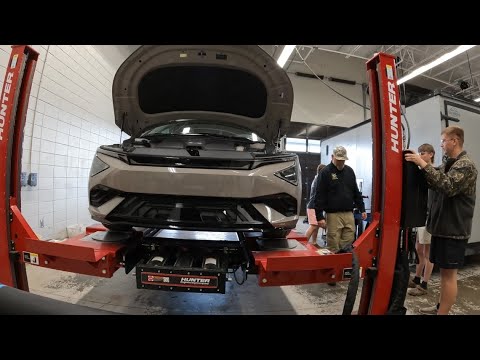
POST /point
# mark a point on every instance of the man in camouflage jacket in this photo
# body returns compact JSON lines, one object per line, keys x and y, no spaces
{"x":451,"y":213}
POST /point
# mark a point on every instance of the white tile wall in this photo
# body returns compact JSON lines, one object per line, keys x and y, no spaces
{"x":70,"y":115}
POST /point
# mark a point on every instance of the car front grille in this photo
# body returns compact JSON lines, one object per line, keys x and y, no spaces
{"x":189,"y":212}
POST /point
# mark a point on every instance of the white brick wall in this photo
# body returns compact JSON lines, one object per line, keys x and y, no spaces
{"x":70,"y":115}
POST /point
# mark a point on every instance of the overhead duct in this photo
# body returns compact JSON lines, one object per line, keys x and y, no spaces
{"x":343,"y":81}
{"x":311,"y":76}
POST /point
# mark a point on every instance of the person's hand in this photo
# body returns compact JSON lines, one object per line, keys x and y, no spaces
{"x":415,"y":158}
{"x":364,"y":215}
{"x":322,"y":224}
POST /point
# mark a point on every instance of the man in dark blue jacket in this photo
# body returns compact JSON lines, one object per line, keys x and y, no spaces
{"x":337,"y":194}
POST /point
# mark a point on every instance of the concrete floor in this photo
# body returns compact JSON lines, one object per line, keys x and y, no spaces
{"x":119,"y":294}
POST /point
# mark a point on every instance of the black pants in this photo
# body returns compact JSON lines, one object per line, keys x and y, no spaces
{"x":448,"y":253}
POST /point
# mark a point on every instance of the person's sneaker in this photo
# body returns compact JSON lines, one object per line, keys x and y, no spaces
{"x":412,"y":284}
{"x":418,"y":291}
{"x":431,"y":310}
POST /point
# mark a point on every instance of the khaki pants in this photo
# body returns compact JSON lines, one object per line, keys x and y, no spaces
{"x":340,"y":230}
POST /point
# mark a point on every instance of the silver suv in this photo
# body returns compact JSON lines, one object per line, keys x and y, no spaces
{"x":204,"y":121}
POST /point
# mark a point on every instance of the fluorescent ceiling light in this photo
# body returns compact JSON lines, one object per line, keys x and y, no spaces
{"x":441,"y":59}
{"x":287,"y":51}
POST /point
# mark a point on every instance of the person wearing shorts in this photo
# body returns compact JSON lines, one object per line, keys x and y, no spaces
{"x":423,"y":270}
{"x":451,"y":212}
{"x":419,"y":284}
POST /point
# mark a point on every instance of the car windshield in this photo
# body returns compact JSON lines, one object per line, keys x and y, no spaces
{"x":195,"y":127}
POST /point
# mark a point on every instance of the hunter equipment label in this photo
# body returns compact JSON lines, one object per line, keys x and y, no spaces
{"x":179,"y":280}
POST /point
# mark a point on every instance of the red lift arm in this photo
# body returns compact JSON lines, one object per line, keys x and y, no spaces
{"x":376,"y":249}
{"x":13,"y":111}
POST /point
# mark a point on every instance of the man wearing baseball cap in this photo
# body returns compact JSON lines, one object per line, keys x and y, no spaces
{"x":337,"y":195}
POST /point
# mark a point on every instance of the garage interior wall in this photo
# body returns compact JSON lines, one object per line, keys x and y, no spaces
{"x":70,"y":114}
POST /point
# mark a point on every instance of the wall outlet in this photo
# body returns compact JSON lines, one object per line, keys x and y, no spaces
{"x":23,"y":179}
{"x":32,"y":179}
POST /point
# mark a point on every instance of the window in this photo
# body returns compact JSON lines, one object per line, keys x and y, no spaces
{"x":314,"y":146}
{"x":294,"y":144}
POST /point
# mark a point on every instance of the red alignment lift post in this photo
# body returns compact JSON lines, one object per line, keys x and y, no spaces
{"x":17,"y":239}
{"x":387,"y":180}
{"x":13,"y":110}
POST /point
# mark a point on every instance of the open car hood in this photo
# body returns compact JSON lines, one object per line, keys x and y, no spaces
{"x":232,"y":84}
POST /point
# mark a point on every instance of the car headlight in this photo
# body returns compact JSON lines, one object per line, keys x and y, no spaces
{"x":289,"y":174}
{"x":98,"y":166}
